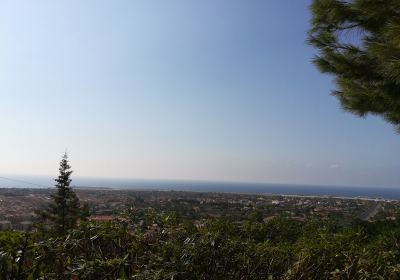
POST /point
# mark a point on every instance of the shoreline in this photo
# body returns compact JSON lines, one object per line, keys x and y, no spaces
{"x":240,"y":193}
{"x":92,"y":188}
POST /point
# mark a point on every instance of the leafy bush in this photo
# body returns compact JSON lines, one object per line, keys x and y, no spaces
{"x":222,"y":249}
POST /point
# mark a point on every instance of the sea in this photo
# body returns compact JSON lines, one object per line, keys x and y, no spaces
{"x":12,"y":181}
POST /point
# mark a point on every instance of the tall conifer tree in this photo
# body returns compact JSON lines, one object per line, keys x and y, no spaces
{"x":65,"y":211}
{"x":359,"y":44}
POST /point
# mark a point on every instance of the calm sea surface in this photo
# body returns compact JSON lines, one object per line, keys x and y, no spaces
{"x":41,"y":181}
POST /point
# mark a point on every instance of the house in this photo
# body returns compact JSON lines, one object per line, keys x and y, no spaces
{"x":4,"y":225}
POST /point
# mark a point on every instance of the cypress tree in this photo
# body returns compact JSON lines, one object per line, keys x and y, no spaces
{"x":359,"y":44}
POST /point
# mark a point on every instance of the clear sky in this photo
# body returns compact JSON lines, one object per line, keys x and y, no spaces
{"x":203,"y":90}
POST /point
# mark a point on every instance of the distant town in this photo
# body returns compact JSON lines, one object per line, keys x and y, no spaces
{"x":18,"y":205}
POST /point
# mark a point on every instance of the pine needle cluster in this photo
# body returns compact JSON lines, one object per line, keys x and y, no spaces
{"x":359,"y":44}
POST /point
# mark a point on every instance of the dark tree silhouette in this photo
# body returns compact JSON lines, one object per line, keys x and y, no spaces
{"x":65,"y":211}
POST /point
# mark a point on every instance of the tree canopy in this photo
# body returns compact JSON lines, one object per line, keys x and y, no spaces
{"x":359,"y":44}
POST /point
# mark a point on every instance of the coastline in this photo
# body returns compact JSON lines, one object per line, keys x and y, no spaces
{"x":234,"y":192}
{"x":210,"y":186}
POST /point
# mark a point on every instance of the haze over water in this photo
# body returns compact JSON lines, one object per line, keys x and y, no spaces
{"x":184,"y":185}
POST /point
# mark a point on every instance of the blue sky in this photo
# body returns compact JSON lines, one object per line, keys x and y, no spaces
{"x":200,"y":90}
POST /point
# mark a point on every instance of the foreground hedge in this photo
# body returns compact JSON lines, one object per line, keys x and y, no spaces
{"x":280,"y":249}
